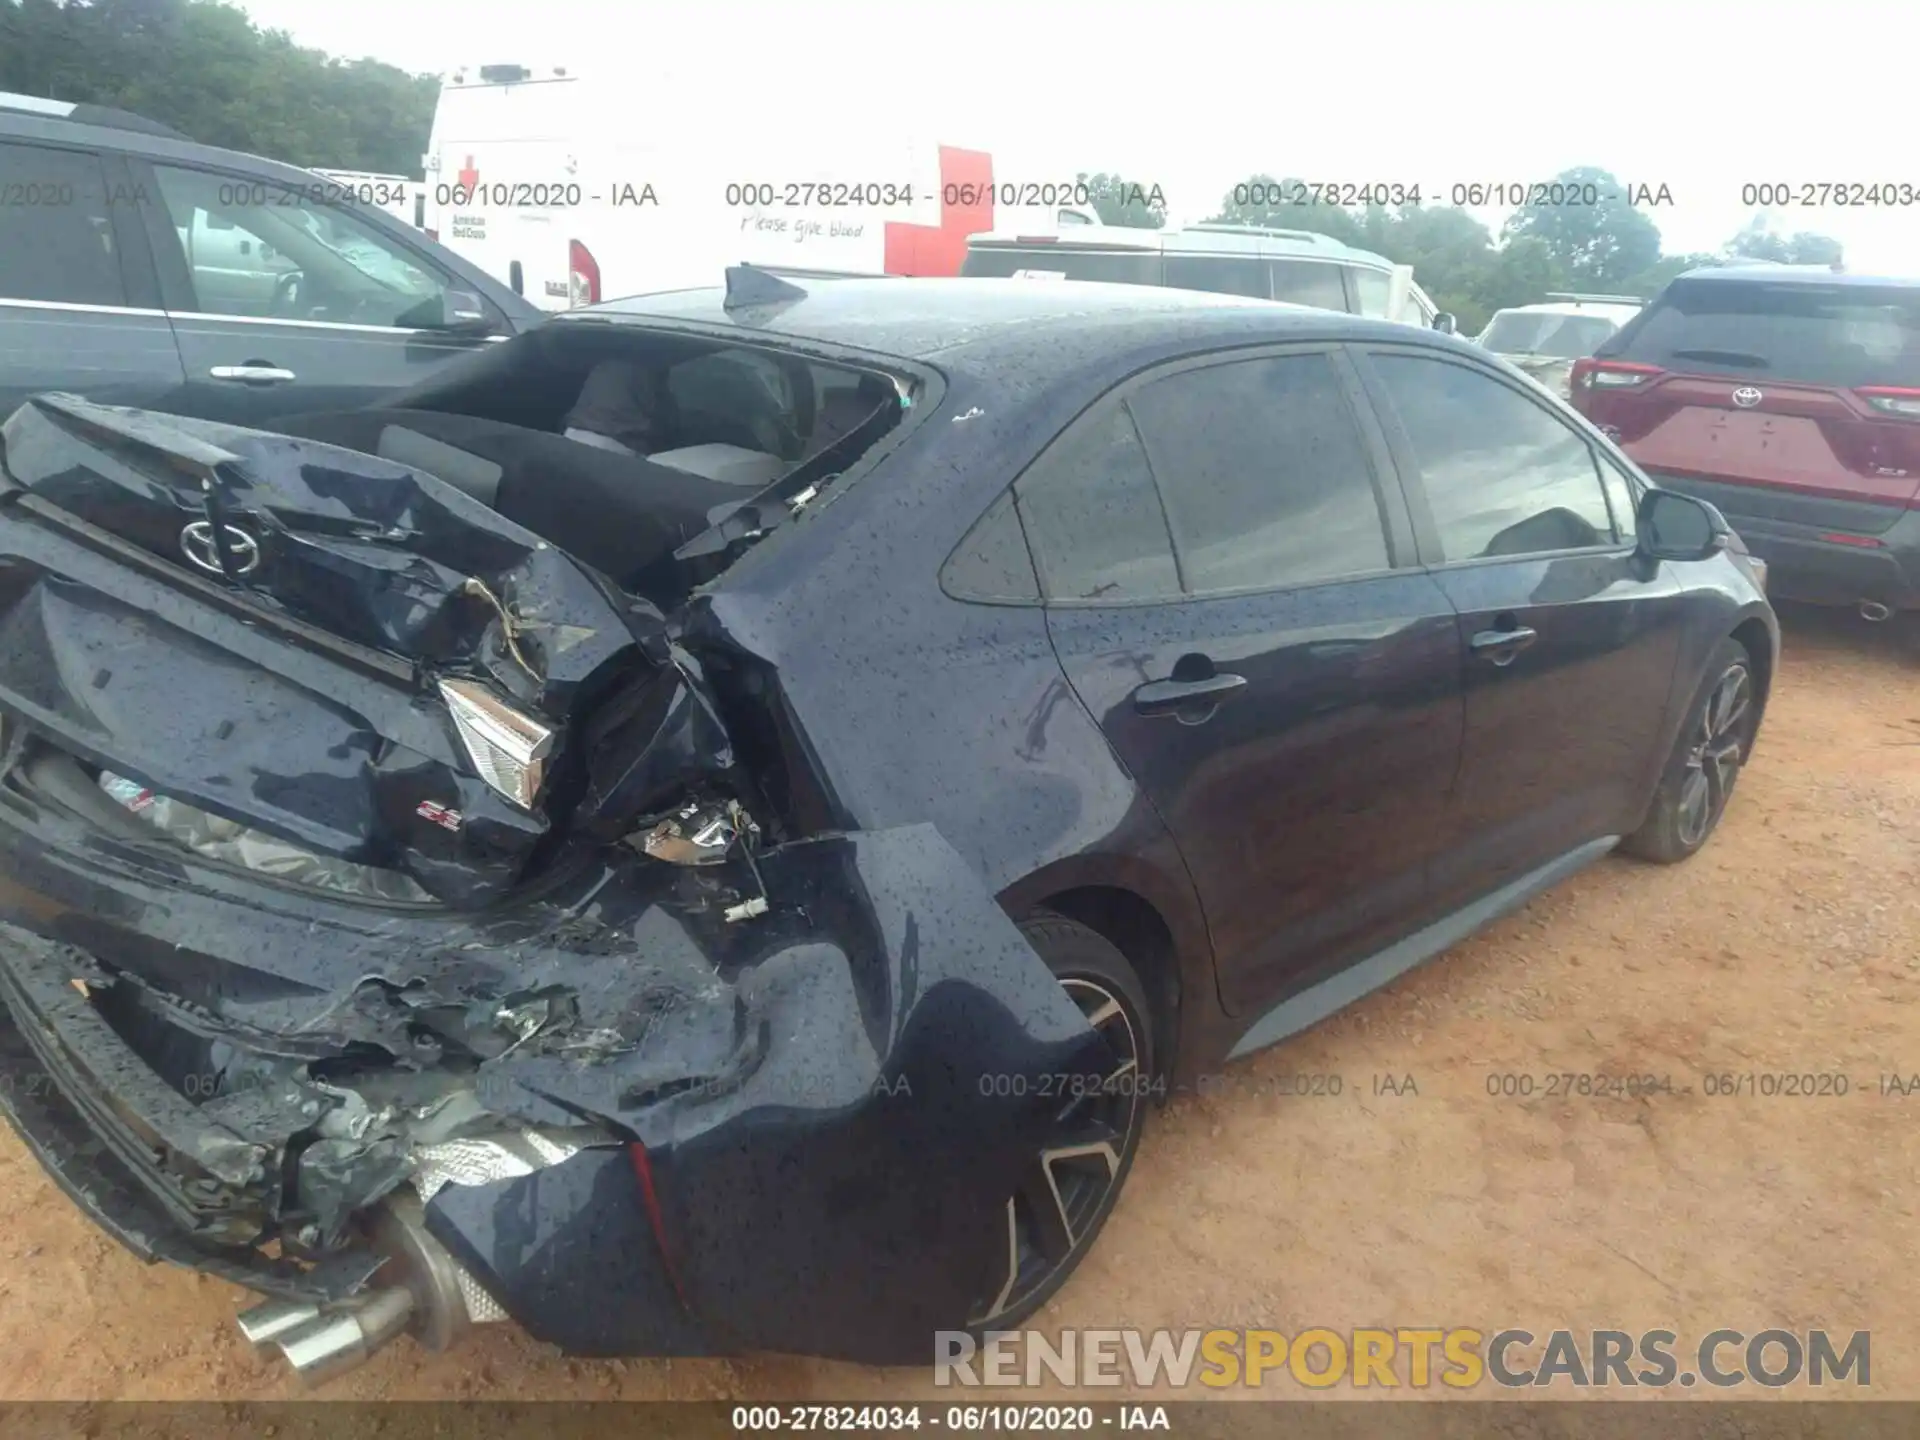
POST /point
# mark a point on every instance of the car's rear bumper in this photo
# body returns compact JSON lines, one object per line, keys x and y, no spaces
{"x":812,"y":1120}
{"x":1824,"y":552}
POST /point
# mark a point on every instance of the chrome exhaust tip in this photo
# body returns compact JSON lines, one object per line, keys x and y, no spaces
{"x":1873,"y":612}
{"x":332,"y":1344}
{"x":423,"y":1294}
{"x":269,"y":1320}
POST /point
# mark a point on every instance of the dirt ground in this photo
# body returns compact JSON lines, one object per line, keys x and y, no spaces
{"x":1792,"y":943}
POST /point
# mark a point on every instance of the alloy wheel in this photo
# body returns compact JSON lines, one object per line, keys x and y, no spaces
{"x":1713,"y":762}
{"x":1069,"y":1181}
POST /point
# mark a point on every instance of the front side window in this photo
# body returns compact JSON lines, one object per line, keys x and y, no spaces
{"x":56,"y":235}
{"x":1623,"y":498}
{"x":1502,"y":475}
{"x":1264,"y":474}
{"x":260,"y":249}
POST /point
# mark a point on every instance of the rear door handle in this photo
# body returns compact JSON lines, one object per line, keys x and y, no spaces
{"x":1164,"y":697}
{"x":1500,"y":646}
{"x":253,"y":373}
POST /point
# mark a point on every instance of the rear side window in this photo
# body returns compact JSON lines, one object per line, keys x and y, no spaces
{"x":1502,"y":476}
{"x":1264,"y":473}
{"x":1093,"y":517}
{"x":1837,"y":335}
{"x":992,"y":562}
{"x":56,"y":235}
{"x":1222,"y":274}
{"x":1118,"y":267}
{"x":1373,"y":291}
{"x":1310,"y":282}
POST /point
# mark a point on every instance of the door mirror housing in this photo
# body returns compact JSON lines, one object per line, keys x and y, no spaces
{"x":456,"y":311}
{"x":1445,"y":323}
{"x":1679,"y":527}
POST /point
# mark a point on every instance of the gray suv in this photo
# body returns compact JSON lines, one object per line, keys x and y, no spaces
{"x":138,"y":268}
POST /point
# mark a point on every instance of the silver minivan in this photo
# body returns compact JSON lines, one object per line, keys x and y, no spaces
{"x":1296,"y":266}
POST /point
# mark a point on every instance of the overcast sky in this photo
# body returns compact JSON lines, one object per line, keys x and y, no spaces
{"x":1198,"y":94}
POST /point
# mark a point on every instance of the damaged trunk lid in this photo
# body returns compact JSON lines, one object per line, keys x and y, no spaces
{"x":321,"y":665}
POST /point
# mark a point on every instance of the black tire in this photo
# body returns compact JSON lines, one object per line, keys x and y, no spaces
{"x":1700,"y":775}
{"x":1041,"y":1256}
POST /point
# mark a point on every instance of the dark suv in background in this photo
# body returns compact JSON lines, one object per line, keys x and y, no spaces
{"x":139,"y":268}
{"x":1789,"y":397}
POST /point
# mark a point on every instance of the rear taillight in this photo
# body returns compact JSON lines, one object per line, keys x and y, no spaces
{"x":1591,"y":374}
{"x":583,"y":275}
{"x":1864,"y":542}
{"x":1892,"y":400}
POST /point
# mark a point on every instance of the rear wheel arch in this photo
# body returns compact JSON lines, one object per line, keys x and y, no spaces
{"x":1134,"y":927}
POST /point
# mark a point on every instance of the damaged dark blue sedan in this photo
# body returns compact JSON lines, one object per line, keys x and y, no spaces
{"x":703,"y":827}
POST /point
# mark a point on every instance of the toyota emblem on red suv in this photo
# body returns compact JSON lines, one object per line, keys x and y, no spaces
{"x":1746,"y":397}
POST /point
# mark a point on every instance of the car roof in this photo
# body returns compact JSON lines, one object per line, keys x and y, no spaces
{"x":994,"y":319}
{"x":1782,"y":274}
{"x":14,"y":106}
{"x":118,"y":130}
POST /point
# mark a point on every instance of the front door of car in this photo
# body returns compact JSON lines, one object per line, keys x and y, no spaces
{"x":79,"y":306}
{"x":284,"y":302}
{"x":1230,"y":586}
{"x":1570,"y":635}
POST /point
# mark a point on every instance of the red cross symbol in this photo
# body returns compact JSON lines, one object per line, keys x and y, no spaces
{"x":469,"y":177}
{"x":939,"y":249}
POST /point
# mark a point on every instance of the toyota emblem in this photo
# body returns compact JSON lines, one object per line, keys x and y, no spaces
{"x":197,"y":544}
{"x":1746,"y":397}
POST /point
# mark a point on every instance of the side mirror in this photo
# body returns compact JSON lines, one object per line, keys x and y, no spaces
{"x":1678,"y":527}
{"x":1445,"y":323}
{"x":457,"y":311}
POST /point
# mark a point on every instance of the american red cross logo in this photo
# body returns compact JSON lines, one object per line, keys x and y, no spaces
{"x":469,"y":177}
{"x":939,"y":249}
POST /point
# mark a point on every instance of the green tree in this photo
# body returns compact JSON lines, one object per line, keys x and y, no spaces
{"x":1596,"y":246}
{"x":1117,"y":201}
{"x":1757,"y":240}
{"x":204,"y":68}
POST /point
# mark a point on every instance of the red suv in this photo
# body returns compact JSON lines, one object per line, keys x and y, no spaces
{"x":1789,"y":398}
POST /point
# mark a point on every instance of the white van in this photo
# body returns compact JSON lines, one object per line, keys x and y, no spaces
{"x":571,"y":188}
{"x":1297,"y":266}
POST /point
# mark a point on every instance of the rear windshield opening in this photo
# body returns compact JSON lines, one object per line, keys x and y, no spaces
{"x":622,"y":445}
{"x":1563,"y":337}
{"x":1839,"y":335}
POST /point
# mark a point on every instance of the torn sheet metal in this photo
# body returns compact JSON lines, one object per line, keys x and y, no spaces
{"x":849,"y":1084}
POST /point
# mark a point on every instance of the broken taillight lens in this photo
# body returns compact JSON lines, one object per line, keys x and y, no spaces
{"x":509,"y":751}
